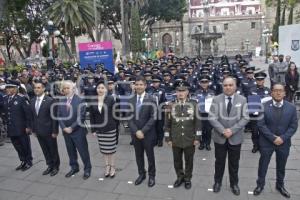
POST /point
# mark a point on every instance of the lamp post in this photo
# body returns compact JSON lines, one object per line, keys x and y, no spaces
{"x":51,"y":31}
{"x":266,"y":34}
{"x":247,"y":43}
{"x":147,"y":40}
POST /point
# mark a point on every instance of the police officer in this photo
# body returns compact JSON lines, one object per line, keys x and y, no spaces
{"x":160,"y":96}
{"x":182,"y":132}
{"x":203,"y":93}
{"x":17,"y":113}
{"x":262,"y":92}
{"x":249,"y":82}
{"x":168,"y":84}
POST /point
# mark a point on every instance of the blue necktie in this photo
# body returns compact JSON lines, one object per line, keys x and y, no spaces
{"x":139,"y":103}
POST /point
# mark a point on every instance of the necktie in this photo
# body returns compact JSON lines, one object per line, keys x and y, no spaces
{"x":37,"y":105}
{"x":68,"y":103}
{"x":9,"y":99}
{"x":229,"y":105}
{"x":139,"y":103}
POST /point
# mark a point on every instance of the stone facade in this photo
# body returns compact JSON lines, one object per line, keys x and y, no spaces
{"x":241,"y":27}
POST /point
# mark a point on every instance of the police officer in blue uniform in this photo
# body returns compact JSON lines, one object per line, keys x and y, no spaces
{"x":262,"y":92}
{"x":249,"y":82}
{"x":168,"y":83}
{"x":160,"y":96}
{"x":17,"y":114}
{"x":201,"y":94}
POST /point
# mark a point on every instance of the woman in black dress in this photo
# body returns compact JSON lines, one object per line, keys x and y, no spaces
{"x":291,"y":80}
{"x":104,"y":126}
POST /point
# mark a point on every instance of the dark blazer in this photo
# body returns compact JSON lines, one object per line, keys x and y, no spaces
{"x":43,"y":122}
{"x":145,"y":119}
{"x":74,"y":119}
{"x":285,"y":127}
{"x":292,"y":81}
{"x":17,"y":115}
{"x":104,"y":121}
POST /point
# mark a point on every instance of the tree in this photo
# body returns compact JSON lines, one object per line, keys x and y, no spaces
{"x":23,"y":24}
{"x":74,"y":17}
{"x":277,"y":22}
{"x":136,"y":34}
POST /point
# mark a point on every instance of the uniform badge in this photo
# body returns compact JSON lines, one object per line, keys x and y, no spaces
{"x":266,"y":92}
{"x":15,"y":103}
{"x":190,"y":111}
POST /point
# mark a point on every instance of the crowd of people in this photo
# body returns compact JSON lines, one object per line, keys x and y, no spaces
{"x":186,"y":101}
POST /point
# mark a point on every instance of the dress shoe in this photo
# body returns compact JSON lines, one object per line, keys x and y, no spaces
{"x":86,"y":175}
{"x":258,"y":190}
{"x":151,"y":182}
{"x":26,"y":166}
{"x":178,"y":183}
{"x":47,"y":171}
{"x":235,"y":190}
{"x":217,"y":187}
{"x":159,"y":143}
{"x":201,"y":147}
{"x":140,"y":179}
{"x":131,"y":143}
{"x":71,"y":173}
{"x":208,"y":148}
{"x":187,"y":185}
{"x":54,"y":172}
{"x":283,"y":191}
{"x":254,"y":149}
{"x":20,"y":166}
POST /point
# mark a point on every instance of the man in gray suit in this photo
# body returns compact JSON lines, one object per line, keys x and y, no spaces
{"x":228,"y":117}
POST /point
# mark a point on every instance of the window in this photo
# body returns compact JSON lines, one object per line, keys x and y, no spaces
{"x":214,"y":29}
{"x":252,"y":25}
{"x":225,"y":27}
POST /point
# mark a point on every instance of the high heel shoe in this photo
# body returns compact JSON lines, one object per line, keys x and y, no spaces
{"x":112,"y":172}
{"x":107,"y":171}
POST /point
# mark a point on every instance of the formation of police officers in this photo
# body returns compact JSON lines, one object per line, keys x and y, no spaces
{"x":164,"y":78}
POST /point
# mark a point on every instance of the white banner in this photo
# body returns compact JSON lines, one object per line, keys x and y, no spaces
{"x":289,"y":42}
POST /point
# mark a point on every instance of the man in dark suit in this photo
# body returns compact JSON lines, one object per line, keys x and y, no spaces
{"x":17,"y":114}
{"x":71,"y":114}
{"x":142,"y":128}
{"x":277,"y":125}
{"x":228,"y":117}
{"x":45,"y":127}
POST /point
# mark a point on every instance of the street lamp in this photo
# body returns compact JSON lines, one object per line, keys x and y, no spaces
{"x":147,"y":40}
{"x":51,"y":31}
{"x":247,"y":43}
{"x":266,"y":34}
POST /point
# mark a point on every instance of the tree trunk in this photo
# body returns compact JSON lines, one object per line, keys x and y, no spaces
{"x":66,"y":46}
{"x":291,"y":14}
{"x":277,"y":22}
{"x":126,"y":26}
{"x":73,"y":44}
{"x":283,"y":16}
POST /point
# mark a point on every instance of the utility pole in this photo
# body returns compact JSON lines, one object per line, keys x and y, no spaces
{"x":123,"y":33}
{"x":96,"y":21}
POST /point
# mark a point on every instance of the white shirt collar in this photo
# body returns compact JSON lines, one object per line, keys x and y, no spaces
{"x":142,"y":96}
{"x":275,"y":103}
{"x":41,"y":97}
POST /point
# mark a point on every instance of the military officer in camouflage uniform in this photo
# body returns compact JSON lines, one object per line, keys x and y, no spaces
{"x":183,"y":132}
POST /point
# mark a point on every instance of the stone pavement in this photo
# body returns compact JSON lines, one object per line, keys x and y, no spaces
{"x":32,"y":185}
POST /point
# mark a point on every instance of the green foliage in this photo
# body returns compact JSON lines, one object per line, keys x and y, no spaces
{"x":136,"y":34}
{"x":45,"y":50}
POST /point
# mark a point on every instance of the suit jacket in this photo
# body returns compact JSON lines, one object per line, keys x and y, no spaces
{"x":75,"y":116}
{"x":236,"y":121}
{"x":285,"y":127}
{"x":17,"y":115}
{"x":42,"y":123}
{"x":145,"y":119}
{"x":104,"y":121}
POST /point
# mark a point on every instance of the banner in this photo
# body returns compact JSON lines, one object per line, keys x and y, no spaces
{"x":93,"y":53}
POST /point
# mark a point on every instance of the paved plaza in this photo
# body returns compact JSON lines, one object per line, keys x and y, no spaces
{"x":32,"y":185}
